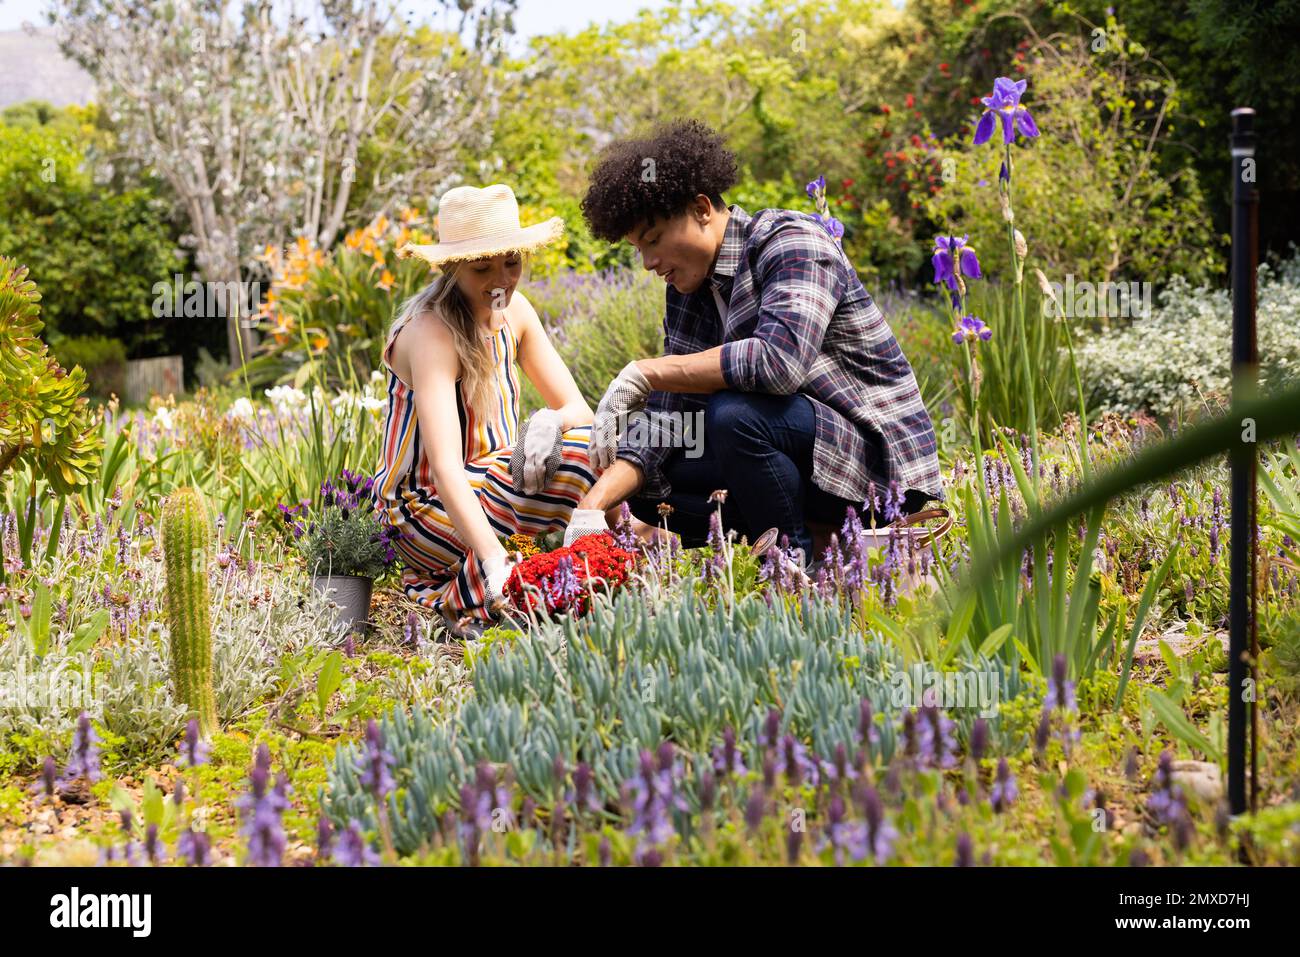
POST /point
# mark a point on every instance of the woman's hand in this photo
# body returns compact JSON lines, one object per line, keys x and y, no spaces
{"x":497,"y":569}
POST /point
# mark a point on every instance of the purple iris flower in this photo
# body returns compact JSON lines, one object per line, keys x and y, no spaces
{"x":816,"y":186}
{"x":1005,"y":105}
{"x":831,"y":225}
{"x":950,"y":256}
{"x":970,"y":329}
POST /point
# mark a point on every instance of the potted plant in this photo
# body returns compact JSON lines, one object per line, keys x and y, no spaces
{"x":344,"y":545}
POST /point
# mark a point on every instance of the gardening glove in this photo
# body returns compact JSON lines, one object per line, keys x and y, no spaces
{"x":626,"y":394}
{"x":537,"y":452}
{"x":585,"y":521}
{"x":497,"y":571}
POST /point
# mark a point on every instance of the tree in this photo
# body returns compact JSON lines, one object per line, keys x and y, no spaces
{"x":258,"y":120}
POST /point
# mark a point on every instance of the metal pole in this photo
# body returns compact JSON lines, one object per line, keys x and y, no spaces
{"x":1245,"y":378}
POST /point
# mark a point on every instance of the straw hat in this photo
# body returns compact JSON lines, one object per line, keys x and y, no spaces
{"x":476,"y":223}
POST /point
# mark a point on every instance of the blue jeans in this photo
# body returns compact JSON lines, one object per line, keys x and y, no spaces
{"x":759,"y":448}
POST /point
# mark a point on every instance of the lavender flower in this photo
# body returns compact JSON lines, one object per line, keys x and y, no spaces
{"x":83,"y":759}
{"x":1167,"y":803}
{"x":583,"y":794}
{"x":194,"y":751}
{"x":624,"y":537}
{"x":46,"y":783}
{"x":352,"y":849}
{"x":843,"y":835}
{"x":979,"y":738}
{"x":656,"y":797}
{"x":193,"y":847}
{"x":792,"y":760}
{"x":1060,"y":692}
{"x":1004,"y":791}
{"x":564,"y":587}
{"x":1005,"y":105}
{"x":376,"y":763}
{"x":936,"y":744}
{"x":726,"y":759}
{"x":262,"y":809}
{"x":324,"y":838}
{"x":880,"y":833}
{"x":965,"y":851}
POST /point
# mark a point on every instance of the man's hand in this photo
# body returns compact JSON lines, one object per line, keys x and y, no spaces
{"x":626,"y":394}
{"x":585,"y":521}
{"x":537,"y":456}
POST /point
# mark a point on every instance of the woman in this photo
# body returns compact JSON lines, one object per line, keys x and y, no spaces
{"x":452,"y":423}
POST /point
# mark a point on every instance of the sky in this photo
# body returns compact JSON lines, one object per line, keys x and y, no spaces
{"x":533,"y":17}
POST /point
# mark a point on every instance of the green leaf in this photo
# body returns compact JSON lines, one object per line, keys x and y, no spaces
{"x":520,"y":843}
{"x":1180,"y":726}
{"x":152,"y":803}
{"x":328,"y":681}
{"x":88,"y":632}
{"x":996,"y":639}
{"x":357,"y":703}
{"x":38,"y":626}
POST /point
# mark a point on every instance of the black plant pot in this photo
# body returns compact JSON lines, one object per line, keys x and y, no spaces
{"x":352,"y":595}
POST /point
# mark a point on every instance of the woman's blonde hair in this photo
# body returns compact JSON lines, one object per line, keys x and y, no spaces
{"x":442,"y":297}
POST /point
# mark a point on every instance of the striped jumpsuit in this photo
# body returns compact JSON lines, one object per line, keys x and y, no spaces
{"x":439,"y":571}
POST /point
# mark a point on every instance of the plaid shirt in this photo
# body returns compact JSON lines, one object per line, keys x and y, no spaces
{"x":799,"y":320}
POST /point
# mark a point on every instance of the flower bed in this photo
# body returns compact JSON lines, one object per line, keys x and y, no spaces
{"x":559,"y":579}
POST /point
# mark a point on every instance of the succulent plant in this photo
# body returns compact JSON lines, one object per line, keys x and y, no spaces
{"x":624,"y":678}
{"x":186,"y":536}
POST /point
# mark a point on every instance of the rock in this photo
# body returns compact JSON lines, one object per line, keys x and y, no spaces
{"x":1200,"y":778}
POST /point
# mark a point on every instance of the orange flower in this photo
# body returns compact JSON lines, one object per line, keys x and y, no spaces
{"x":386,"y":281}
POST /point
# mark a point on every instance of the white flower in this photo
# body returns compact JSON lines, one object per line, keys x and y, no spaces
{"x":1182,"y":351}
{"x":163,"y":417}
{"x":285,"y":398}
{"x":242,"y":409}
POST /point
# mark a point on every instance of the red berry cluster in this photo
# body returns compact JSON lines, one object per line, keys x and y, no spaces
{"x":594,"y":556}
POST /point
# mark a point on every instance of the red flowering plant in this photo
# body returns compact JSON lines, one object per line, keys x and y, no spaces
{"x":562,"y":579}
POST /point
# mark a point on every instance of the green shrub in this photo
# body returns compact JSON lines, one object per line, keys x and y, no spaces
{"x":95,"y":253}
{"x":599,"y":322}
{"x":103,"y":359}
{"x":1088,"y":193}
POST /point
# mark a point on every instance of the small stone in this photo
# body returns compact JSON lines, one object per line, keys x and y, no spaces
{"x":1201,"y":778}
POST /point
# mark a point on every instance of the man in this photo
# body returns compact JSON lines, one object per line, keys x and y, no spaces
{"x":809,"y":406}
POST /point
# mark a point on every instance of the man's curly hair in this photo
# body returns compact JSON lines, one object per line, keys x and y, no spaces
{"x":642,"y":180}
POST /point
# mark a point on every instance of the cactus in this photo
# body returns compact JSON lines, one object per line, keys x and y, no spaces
{"x":186,"y":535}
